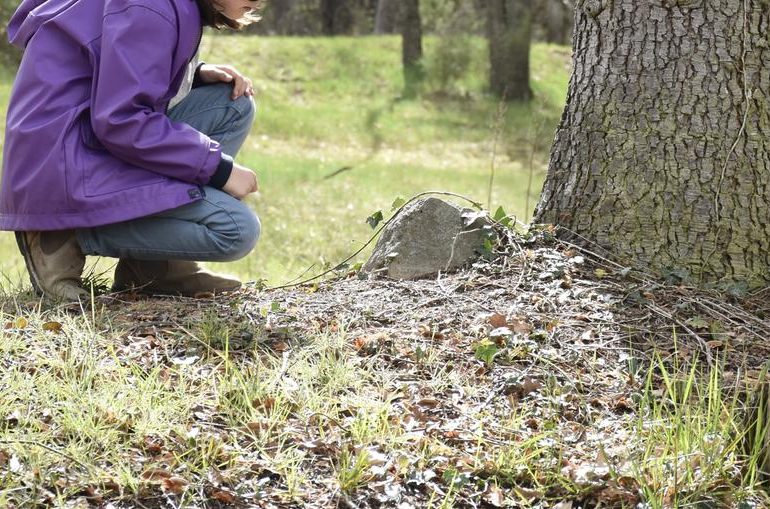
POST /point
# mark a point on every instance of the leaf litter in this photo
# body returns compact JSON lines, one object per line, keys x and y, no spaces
{"x":515,"y":382}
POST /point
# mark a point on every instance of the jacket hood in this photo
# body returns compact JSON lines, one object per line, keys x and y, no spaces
{"x":30,"y":15}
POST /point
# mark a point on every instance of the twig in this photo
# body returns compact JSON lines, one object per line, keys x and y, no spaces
{"x":337,"y":172}
{"x":691,"y":332}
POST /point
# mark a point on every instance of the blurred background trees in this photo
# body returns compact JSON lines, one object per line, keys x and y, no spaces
{"x":509,"y":30}
{"x":9,"y":55}
{"x":552,"y":19}
{"x":509,"y":25}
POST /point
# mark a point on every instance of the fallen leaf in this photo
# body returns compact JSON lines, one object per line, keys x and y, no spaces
{"x":20,"y":322}
{"x":153,"y":445}
{"x":93,"y":495}
{"x":224,"y":496}
{"x":265,"y":404}
{"x":527,"y":494}
{"x":618,"y":497}
{"x":493,"y":496}
{"x":256,"y":427}
{"x":623,"y":404}
{"x":280,"y":346}
{"x":319,"y":446}
{"x":520,"y":326}
{"x":497,"y":320}
{"x":156,"y":474}
{"x":359,"y":343}
{"x":521,"y":388}
{"x":427,"y":403}
{"x":54,"y":327}
{"x":174,"y":484}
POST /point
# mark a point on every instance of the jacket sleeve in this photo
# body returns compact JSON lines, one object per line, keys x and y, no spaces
{"x":130,"y":85}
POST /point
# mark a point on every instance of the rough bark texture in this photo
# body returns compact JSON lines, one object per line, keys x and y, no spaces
{"x":411,"y":46}
{"x":663,"y":151}
{"x":509,"y":28}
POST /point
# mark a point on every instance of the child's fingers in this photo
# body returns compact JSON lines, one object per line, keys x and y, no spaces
{"x":240,"y":87}
{"x":224,"y":76}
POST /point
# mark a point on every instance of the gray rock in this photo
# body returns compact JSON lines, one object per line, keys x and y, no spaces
{"x":428,"y":236}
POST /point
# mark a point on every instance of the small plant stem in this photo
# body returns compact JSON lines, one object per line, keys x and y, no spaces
{"x":531,"y":163}
{"x":502,"y":108}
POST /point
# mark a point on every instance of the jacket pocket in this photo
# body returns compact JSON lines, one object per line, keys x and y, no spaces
{"x":104,"y":173}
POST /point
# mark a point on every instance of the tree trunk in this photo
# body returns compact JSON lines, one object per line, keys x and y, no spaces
{"x":385,"y":17}
{"x":411,"y":45}
{"x":336,"y":17}
{"x":557,"y":21}
{"x":662,"y":155}
{"x":509,"y":29}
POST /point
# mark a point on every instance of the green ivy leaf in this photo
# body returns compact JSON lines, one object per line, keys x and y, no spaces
{"x":397,"y":204}
{"x":375,"y":219}
{"x":485,"y":351}
{"x":501,"y":217}
{"x":697,"y":322}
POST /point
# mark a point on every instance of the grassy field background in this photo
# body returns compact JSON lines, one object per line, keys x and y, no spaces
{"x":331,"y":103}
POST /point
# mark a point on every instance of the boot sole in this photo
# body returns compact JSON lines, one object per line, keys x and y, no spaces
{"x":21,"y":241}
{"x":160,"y":292}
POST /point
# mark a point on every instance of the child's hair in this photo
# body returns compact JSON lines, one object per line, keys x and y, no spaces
{"x":213,"y":18}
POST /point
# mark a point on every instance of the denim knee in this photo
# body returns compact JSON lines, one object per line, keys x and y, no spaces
{"x":246,"y":230}
{"x":247,"y":110}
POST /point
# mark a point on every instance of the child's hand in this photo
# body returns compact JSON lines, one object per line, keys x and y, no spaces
{"x":211,"y":73}
{"x":241,"y":183}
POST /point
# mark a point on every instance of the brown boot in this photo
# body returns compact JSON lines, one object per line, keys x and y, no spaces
{"x":175,"y":277}
{"x":55,"y":264}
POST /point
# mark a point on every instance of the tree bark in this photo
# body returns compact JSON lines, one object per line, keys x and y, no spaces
{"x":411,"y":45}
{"x":509,"y":29}
{"x":662,"y":155}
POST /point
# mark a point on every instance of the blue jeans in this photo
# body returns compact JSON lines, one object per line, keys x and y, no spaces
{"x":218,"y":227}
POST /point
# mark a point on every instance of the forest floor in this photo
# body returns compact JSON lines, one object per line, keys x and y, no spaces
{"x":542,"y":376}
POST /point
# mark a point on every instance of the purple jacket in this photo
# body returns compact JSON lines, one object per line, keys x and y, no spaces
{"x":87,"y":140}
